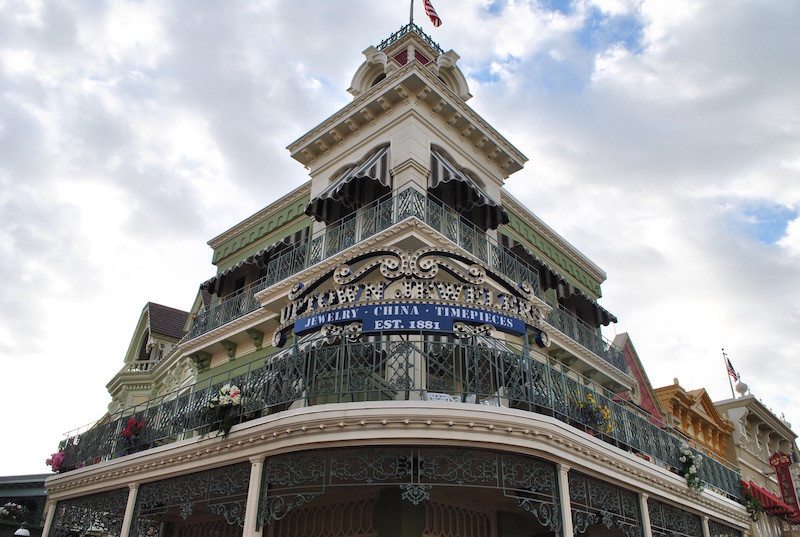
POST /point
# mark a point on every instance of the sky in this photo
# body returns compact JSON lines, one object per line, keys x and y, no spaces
{"x":663,"y":138}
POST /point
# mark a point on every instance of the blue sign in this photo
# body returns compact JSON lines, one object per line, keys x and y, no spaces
{"x":409,"y":317}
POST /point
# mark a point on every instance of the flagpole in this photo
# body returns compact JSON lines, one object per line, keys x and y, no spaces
{"x":411,"y":13}
{"x":725,"y":359}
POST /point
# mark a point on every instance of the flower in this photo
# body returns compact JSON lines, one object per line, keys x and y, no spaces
{"x":55,"y":460}
{"x":691,"y":465}
{"x":218,"y":416}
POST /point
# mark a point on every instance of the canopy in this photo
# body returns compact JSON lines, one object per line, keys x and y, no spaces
{"x":458,"y":191}
{"x":566,"y":293}
{"x":357,"y":186}
{"x":260,"y":260}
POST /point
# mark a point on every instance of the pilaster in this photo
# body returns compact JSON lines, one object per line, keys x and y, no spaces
{"x":253,"y":492}
{"x":566,"y":506}
{"x":647,"y":531}
{"x":133,"y":490}
{"x":48,"y":521}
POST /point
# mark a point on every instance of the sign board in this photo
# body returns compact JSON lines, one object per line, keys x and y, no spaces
{"x":409,"y":317}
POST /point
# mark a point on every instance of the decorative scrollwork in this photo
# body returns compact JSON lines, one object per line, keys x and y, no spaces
{"x":223,"y":490}
{"x":295,"y":479}
{"x":596,"y":502}
{"x":465,"y":331}
{"x":416,"y":493}
{"x":101,"y":512}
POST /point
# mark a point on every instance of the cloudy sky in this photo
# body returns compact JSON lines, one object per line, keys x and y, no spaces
{"x":663,"y":138}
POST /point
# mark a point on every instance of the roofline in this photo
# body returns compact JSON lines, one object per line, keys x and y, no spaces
{"x":273,"y":207}
{"x":586,"y":263}
{"x":763,"y":411}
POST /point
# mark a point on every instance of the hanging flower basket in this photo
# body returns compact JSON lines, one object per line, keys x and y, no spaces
{"x":595,"y":416}
{"x":691,"y":464}
{"x":12,"y":511}
{"x":129,"y":438}
{"x":220,"y":414}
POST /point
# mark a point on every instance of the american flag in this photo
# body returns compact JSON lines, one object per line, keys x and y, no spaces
{"x":731,"y":371}
{"x":430,"y":12}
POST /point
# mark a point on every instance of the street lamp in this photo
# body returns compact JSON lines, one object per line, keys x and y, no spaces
{"x":23,"y":531}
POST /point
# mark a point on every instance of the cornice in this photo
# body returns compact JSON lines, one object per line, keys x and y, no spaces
{"x":280,"y":204}
{"x":543,"y":229}
{"x":219,"y":333}
{"x":756,"y":408}
{"x":398,"y":423}
{"x":465,"y":119}
{"x":589,"y":357}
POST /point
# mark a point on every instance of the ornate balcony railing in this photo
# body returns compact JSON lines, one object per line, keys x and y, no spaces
{"x":351,"y":230}
{"x":410,"y":27}
{"x":397,"y":367}
{"x":576,"y":329}
{"x":378,"y":216}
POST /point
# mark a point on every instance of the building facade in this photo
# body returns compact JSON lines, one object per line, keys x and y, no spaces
{"x":396,"y":348}
{"x":765,"y":448}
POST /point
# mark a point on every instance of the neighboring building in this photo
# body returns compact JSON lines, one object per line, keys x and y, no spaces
{"x":22,"y":499}
{"x":763,"y":443}
{"x":415,"y":352}
{"x":695,"y":415}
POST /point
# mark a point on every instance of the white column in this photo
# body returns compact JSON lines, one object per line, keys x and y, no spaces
{"x":253,"y":492}
{"x":647,"y":531}
{"x":706,"y":531}
{"x":133,"y":490}
{"x":566,"y":507}
{"x":48,"y":520}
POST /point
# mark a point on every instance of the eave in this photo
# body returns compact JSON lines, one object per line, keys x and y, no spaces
{"x":410,"y":82}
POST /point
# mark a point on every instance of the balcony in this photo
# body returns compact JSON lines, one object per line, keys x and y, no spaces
{"x":349,"y":231}
{"x":574,"y":328}
{"x":397,"y":367}
{"x":377,"y":217}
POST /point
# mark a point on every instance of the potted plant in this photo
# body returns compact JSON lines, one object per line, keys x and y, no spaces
{"x":129,"y":438}
{"x":595,"y":416}
{"x":220,"y":413}
{"x":55,"y":461}
{"x":691,"y":464}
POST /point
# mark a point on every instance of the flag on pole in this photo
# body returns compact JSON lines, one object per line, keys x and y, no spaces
{"x":430,"y":12}
{"x":731,"y":371}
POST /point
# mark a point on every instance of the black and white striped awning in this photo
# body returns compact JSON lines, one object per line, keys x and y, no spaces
{"x":461,"y":193}
{"x":567,"y":294}
{"x":359,"y":185}
{"x":260,"y":260}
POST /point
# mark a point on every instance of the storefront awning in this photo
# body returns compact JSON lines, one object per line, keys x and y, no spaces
{"x":260,"y":260}
{"x":357,"y":186}
{"x":772,"y":503}
{"x":461,"y":193}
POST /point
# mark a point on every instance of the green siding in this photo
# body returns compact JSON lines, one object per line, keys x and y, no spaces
{"x":250,"y":240}
{"x":544,"y":248}
{"x":238,"y":366}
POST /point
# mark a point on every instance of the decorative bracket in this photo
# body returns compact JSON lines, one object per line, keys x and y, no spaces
{"x":230,"y":348}
{"x":257,"y":336}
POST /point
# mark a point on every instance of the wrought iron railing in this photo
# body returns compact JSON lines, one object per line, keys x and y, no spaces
{"x":397,"y":367}
{"x":576,"y":329}
{"x":349,"y":231}
{"x":410,"y":27}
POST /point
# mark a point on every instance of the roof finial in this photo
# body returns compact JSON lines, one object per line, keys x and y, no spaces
{"x":411,"y":13}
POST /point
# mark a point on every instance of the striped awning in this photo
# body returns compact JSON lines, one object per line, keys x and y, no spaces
{"x":359,"y":185}
{"x":566,"y":293}
{"x":260,"y":260}
{"x":458,"y":191}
